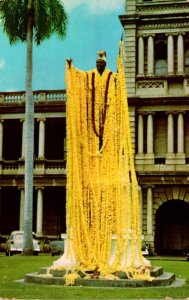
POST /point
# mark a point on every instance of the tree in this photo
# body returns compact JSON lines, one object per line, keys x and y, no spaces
{"x":28,"y":20}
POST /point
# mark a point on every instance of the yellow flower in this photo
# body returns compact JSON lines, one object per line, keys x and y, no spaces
{"x":102,"y":189}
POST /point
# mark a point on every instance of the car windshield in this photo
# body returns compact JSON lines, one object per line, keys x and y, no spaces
{"x":18,"y":236}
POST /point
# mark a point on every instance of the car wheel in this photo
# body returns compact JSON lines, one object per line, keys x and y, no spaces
{"x":9,"y":253}
{"x":36,"y":253}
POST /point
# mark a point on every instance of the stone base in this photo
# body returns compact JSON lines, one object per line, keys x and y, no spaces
{"x":56,"y":278}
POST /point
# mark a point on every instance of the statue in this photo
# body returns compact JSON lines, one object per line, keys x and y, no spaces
{"x":103,"y":223}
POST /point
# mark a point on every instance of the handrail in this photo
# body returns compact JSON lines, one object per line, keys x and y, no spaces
{"x":39,"y":96}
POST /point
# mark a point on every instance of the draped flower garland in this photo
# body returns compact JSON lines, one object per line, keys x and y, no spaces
{"x":102,"y":189}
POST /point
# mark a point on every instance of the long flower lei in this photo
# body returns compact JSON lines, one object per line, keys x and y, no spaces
{"x":101,"y":130}
{"x":102,"y":189}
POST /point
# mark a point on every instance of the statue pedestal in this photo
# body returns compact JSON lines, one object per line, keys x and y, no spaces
{"x":126,"y":259}
{"x":68,"y":260}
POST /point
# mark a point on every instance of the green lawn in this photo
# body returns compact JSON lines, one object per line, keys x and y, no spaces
{"x":15,"y":267}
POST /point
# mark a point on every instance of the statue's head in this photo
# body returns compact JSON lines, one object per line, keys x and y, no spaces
{"x":101,"y":61}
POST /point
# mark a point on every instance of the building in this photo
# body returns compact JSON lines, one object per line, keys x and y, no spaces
{"x":156,"y":34}
{"x":156,"y":37}
{"x":49,"y":162}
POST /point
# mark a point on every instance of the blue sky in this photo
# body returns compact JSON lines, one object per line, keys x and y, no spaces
{"x":93,"y":25}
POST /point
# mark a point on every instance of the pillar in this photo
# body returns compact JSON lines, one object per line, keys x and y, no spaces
{"x":141,"y":56}
{"x":1,"y":139}
{"x":150,"y":133}
{"x":65,"y":148}
{"x":150,"y":55}
{"x":21,"y":218}
{"x":149,"y":211}
{"x":170,"y":54}
{"x":140,"y":134}
{"x":41,"y":148}
{"x":39,"y":224}
{"x":170,"y":133}
{"x":180,"y":133}
{"x":180,"y":54}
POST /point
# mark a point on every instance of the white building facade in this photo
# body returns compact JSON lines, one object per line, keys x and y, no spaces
{"x":156,"y":36}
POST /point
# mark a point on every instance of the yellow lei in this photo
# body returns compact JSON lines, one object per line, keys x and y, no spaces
{"x":102,"y":189}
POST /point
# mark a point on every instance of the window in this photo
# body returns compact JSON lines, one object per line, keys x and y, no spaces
{"x":160,"y":58}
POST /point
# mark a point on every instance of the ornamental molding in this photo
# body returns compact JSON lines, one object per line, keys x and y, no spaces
{"x":166,"y":26}
{"x":151,"y":84}
{"x":160,"y":8}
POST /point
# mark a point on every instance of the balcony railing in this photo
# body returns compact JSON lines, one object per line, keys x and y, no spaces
{"x":55,"y":164}
{"x":11,"y":165}
{"x":39,"y":96}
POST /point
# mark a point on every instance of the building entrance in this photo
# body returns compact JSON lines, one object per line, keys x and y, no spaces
{"x":172,"y":224}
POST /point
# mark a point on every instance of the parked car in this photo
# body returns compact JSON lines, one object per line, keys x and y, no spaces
{"x":2,"y":243}
{"x":186,"y":254}
{"x":15,"y":243}
{"x":145,"y":249}
{"x":56,"y":247}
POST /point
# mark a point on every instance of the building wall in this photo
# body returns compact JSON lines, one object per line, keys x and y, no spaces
{"x":156,"y":68}
{"x":49,"y":191}
{"x":156,"y":43}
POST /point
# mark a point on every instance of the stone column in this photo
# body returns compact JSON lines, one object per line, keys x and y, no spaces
{"x":180,"y":134}
{"x":150,"y":55}
{"x":1,"y":144}
{"x":170,"y":155}
{"x":39,"y":225}
{"x":150,"y":134}
{"x":141,"y":56}
{"x":1,"y":139}
{"x":21,"y":219}
{"x":170,"y":133}
{"x":149,"y":211}
{"x":41,"y":148}
{"x":23,"y":139}
{"x":140,"y":134}
{"x":65,"y":148}
{"x":180,"y":54}
{"x":170,"y":54}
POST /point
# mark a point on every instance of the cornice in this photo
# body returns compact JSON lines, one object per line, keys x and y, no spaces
{"x":165,"y":8}
{"x":165,"y":25}
{"x":154,"y":101}
{"x":15,"y":108}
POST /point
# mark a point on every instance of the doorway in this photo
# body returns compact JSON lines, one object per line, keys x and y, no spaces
{"x":172,"y":224}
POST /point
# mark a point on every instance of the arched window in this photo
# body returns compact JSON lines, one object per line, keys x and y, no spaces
{"x":160,"y":58}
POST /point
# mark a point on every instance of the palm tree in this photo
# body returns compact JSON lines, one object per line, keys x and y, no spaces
{"x":28,"y":20}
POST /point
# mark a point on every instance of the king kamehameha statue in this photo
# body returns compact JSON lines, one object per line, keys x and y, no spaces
{"x":103,"y":223}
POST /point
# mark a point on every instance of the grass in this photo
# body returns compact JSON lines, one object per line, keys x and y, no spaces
{"x":15,"y":267}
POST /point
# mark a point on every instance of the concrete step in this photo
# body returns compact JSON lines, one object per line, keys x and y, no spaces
{"x":155,"y":272}
{"x":164,"y":279}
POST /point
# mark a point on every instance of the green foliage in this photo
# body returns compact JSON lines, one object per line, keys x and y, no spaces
{"x":48,"y":17}
{"x":13,"y":17}
{"x":14,"y":268}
